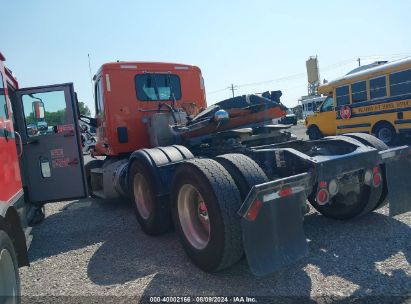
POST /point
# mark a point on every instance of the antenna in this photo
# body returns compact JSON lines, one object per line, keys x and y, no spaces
{"x":91,"y":77}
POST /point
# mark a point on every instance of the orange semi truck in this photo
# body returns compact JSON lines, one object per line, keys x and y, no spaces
{"x":228,"y":180}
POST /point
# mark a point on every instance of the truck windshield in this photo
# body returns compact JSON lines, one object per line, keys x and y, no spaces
{"x":157,"y":87}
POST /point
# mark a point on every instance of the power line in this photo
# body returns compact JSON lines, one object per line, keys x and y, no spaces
{"x":220,"y":90}
{"x":301,"y":75}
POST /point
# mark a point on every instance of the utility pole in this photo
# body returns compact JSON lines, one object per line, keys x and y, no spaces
{"x":232,"y":88}
{"x":359,"y":61}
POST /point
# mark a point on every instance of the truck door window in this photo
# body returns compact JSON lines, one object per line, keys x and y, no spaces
{"x":328,"y":105}
{"x":99,"y":96}
{"x":44,"y":112}
{"x":3,"y":103}
{"x":156,"y":87}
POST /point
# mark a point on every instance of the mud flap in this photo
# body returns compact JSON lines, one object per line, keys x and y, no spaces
{"x":397,"y":169}
{"x":276,"y":237}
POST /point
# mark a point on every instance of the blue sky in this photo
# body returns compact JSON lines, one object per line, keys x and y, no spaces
{"x":239,"y":42}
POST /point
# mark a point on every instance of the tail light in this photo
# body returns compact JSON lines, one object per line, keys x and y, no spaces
{"x":373,"y":177}
{"x":322,"y":196}
{"x":377,"y":178}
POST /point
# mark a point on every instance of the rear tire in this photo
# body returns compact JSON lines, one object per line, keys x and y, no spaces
{"x":356,"y":201}
{"x":386,"y":133}
{"x":368,"y":140}
{"x":245,"y":171}
{"x":314,"y":133}
{"x":205,"y":204}
{"x":378,"y":144}
{"x":152,"y":211}
{"x":9,"y":274}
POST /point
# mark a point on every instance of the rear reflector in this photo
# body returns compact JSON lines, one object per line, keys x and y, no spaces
{"x":285,"y":192}
{"x":254,"y":209}
{"x":323,"y":184}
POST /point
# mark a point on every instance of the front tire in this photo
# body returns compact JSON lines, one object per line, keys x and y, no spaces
{"x":9,"y":274}
{"x":205,"y":204}
{"x":386,"y":133}
{"x":314,"y":133}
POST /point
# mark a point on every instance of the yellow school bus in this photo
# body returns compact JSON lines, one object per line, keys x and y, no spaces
{"x":374,"y":100}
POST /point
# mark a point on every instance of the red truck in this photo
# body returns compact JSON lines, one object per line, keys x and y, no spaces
{"x":40,"y":162}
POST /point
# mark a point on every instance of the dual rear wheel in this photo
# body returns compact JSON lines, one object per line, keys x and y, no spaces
{"x":359,"y":198}
{"x":205,"y":197}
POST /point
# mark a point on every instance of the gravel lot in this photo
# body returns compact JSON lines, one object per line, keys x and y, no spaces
{"x":96,"y":248}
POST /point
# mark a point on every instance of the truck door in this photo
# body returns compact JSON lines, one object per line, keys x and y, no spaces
{"x":52,"y":159}
{"x":326,"y":117}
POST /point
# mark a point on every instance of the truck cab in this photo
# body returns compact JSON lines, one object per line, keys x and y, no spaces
{"x":128,"y":93}
{"x":40,"y":152}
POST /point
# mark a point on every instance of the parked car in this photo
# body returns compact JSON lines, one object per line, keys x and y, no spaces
{"x":289,"y":119}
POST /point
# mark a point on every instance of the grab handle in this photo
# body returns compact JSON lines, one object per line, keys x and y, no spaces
{"x":20,"y":143}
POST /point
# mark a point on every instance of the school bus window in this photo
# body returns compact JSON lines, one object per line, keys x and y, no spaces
{"x":328,"y":105}
{"x":378,"y":88}
{"x":359,"y":91}
{"x":342,"y":95}
{"x":400,"y":83}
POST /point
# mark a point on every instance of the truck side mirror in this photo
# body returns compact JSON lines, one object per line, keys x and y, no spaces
{"x":38,"y":110}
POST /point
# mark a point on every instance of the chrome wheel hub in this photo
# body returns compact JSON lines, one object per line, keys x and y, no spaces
{"x":193,"y":216}
{"x":142,"y":197}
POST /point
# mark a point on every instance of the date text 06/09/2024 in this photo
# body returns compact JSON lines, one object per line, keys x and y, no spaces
{"x":203,"y":299}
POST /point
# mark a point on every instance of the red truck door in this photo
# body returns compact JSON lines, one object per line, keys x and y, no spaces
{"x":52,"y":159}
{"x":10,"y":180}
